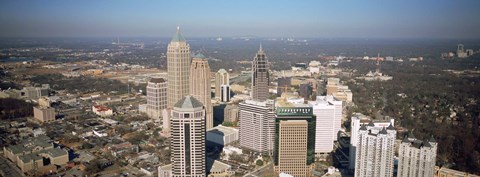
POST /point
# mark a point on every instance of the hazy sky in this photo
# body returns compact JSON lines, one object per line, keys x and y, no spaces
{"x":275,"y":18}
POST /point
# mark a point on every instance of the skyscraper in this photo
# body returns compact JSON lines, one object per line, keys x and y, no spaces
{"x":225,"y":93}
{"x":188,"y":138}
{"x":200,"y":85}
{"x":221,"y":78}
{"x":178,"y":66}
{"x":328,"y":113}
{"x":356,"y":122}
{"x":260,"y":76}
{"x":375,"y":151}
{"x":294,"y":140}
{"x":417,"y":157}
{"x":256,"y":120}
{"x":156,"y":97}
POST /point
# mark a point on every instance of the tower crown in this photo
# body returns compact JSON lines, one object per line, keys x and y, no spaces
{"x":177,"y":37}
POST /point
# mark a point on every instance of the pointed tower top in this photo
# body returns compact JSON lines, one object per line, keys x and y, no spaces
{"x":177,"y":37}
{"x":261,"y":49}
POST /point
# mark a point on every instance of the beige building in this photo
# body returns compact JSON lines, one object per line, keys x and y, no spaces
{"x":260,"y":76}
{"x":188,"y":138}
{"x":221,"y":78}
{"x":447,"y":172}
{"x":44,"y":114}
{"x":36,"y":156}
{"x":178,"y":66}
{"x":416,"y":158}
{"x":230,"y":113}
{"x":292,"y":150}
{"x":156,"y":97}
{"x":200,"y":85}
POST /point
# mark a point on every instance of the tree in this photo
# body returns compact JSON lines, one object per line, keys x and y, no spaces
{"x":259,"y":163}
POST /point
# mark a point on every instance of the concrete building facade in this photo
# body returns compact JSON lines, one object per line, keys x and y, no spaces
{"x":260,"y":76}
{"x":44,"y":114}
{"x":375,"y":151}
{"x":328,"y":112}
{"x":221,"y":78}
{"x":416,"y":157}
{"x":178,"y":66}
{"x":294,"y":140}
{"x":156,"y":97}
{"x":188,"y":138}
{"x":200,"y":85}
{"x":256,"y":121}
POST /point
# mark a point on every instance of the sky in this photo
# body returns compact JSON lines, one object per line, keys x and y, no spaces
{"x":452,"y":19}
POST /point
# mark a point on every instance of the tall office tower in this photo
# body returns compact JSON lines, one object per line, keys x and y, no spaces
{"x":417,"y":157}
{"x":178,"y":66}
{"x":256,"y":120}
{"x":221,"y":78}
{"x":356,"y":122}
{"x":260,"y":76}
{"x":294,"y":140}
{"x":328,"y":113}
{"x":156,"y":97}
{"x":225,"y":93}
{"x":375,"y":151}
{"x":200,"y":85}
{"x":188,"y":138}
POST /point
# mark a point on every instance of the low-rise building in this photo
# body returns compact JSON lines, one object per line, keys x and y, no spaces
{"x":102,"y":110}
{"x":447,"y":172}
{"x":222,"y":135}
{"x":44,"y":114}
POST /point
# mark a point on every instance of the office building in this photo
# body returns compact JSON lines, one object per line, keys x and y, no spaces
{"x":375,"y":151}
{"x":328,"y":112}
{"x":447,"y":172}
{"x":230,"y":113}
{"x":260,"y":76}
{"x":305,"y":90}
{"x":178,"y":66}
{"x":416,"y":158}
{"x":221,"y":78}
{"x":225,"y":93}
{"x":356,"y":122}
{"x":200,"y":85}
{"x":188,"y":138}
{"x":156,"y":97}
{"x":294,"y":140}
{"x":44,"y":114}
{"x":222,"y":135}
{"x":34,"y":93}
{"x":256,"y":121}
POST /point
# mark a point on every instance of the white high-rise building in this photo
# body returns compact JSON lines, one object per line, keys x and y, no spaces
{"x":200,"y":85}
{"x":156,"y":97}
{"x":356,"y":122}
{"x":417,"y":158}
{"x":221,"y":78}
{"x":375,"y":151}
{"x":178,"y":66}
{"x":329,"y":119}
{"x":257,"y":125}
{"x":225,"y":93}
{"x":188,"y":138}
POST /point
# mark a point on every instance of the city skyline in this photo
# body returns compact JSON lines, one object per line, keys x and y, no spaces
{"x":365,"y":19}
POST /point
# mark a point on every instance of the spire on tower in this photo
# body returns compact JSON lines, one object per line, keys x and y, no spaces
{"x":261,"y":49}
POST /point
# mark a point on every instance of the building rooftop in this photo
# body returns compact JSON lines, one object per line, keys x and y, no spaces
{"x":222,"y":71}
{"x":157,"y":80}
{"x":217,"y":166}
{"x":199,"y":55}
{"x":222,"y":130}
{"x":188,"y":102}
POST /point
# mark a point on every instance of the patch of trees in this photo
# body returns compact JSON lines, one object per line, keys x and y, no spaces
{"x":82,"y":84}
{"x":430,"y":101}
{"x":14,"y":108}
